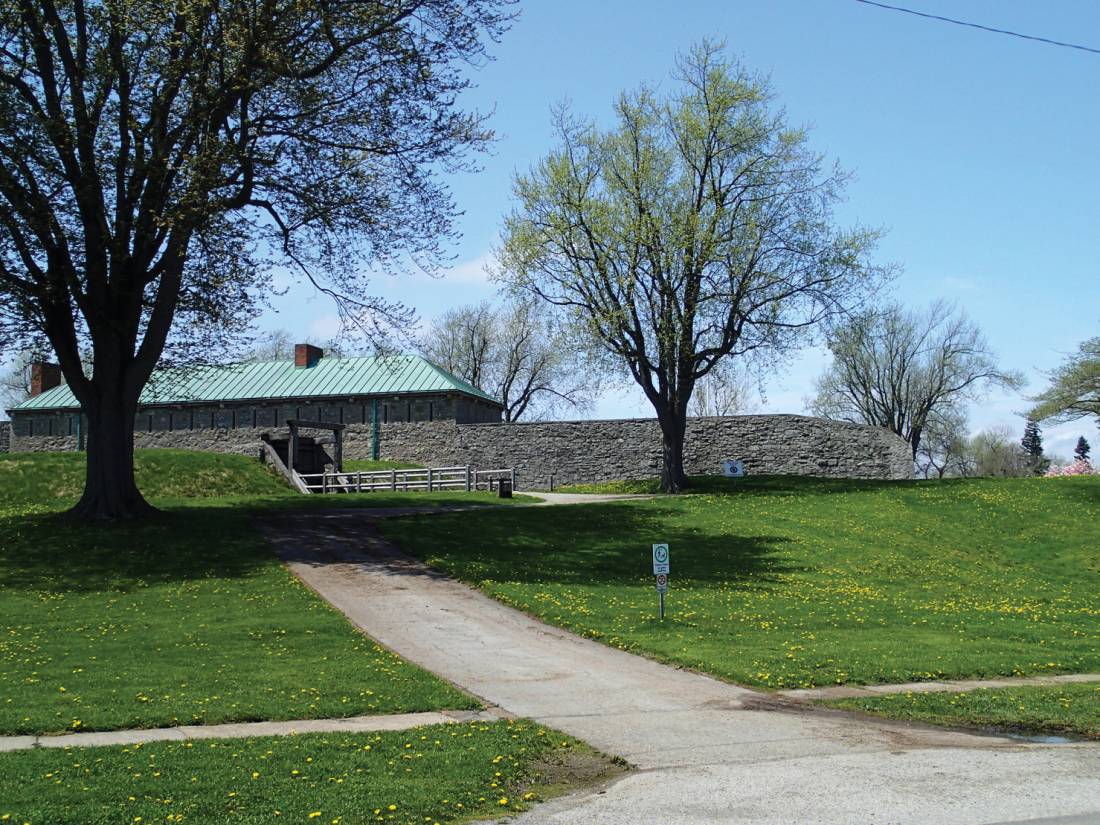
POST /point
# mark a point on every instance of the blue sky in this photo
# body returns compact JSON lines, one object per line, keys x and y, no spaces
{"x":977,"y":152}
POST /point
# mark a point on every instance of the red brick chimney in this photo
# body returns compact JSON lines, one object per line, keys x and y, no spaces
{"x":44,"y":376}
{"x":307,"y":355}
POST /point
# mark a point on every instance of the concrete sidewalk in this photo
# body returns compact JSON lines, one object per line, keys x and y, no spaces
{"x":243,"y":730}
{"x":707,"y":751}
{"x":946,"y":686}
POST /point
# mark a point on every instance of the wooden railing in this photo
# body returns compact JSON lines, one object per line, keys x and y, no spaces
{"x":268,"y":455}
{"x":428,"y":479}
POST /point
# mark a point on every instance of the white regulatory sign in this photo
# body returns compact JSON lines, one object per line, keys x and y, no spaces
{"x":733,"y":467}
{"x":662,"y":582}
{"x":660,"y":559}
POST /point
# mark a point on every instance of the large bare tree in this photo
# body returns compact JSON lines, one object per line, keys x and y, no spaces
{"x":728,"y":389}
{"x":900,"y":369}
{"x":157,"y":157}
{"x":516,"y":353}
{"x":698,"y":228}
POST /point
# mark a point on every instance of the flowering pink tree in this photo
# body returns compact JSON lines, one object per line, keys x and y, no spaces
{"x":1080,"y":467}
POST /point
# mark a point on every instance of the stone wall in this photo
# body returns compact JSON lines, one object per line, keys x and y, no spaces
{"x":5,"y":436}
{"x":583,"y":451}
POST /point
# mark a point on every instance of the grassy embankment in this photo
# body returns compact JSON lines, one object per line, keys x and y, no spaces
{"x":784,"y":582}
{"x":186,"y":618}
{"x":189,"y":618}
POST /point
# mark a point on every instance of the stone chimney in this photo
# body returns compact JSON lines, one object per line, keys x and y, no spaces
{"x":307,"y":355}
{"x":44,"y":376}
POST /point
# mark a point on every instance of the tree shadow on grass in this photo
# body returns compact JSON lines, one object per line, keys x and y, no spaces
{"x":51,"y":553}
{"x":590,"y":544}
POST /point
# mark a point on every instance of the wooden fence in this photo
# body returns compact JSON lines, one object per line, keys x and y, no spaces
{"x":428,"y":479}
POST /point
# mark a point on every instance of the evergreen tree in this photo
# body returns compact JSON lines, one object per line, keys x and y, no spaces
{"x":1032,"y":443}
{"x":1082,"y":449}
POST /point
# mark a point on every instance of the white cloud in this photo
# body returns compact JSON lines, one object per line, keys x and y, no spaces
{"x":473,"y":271}
{"x":470,"y":272}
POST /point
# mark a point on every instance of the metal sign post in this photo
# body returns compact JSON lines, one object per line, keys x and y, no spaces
{"x":661,"y":570}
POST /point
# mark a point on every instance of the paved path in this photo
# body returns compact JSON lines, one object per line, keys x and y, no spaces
{"x":241,"y":730}
{"x":707,"y":751}
{"x":946,"y":686}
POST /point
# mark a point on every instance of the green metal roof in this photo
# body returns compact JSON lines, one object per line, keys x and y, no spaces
{"x":263,"y":380}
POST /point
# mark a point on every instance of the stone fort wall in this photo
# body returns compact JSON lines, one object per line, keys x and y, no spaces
{"x":566,"y":452}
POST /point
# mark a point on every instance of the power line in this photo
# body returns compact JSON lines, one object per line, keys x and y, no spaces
{"x":980,"y":26}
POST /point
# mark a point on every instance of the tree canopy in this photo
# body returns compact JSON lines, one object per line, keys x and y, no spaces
{"x":159,"y":157}
{"x":902,"y":369}
{"x":698,"y":227}
{"x":1074,"y":390}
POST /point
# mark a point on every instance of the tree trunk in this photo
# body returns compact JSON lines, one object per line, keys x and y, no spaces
{"x":110,"y":493}
{"x":673,"y":427}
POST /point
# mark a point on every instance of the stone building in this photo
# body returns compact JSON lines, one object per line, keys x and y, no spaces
{"x":204,"y":407}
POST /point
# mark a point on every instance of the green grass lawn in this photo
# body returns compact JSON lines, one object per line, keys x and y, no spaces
{"x":1071,"y":709}
{"x":186,"y":618}
{"x":442,"y":773}
{"x":795,"y":582}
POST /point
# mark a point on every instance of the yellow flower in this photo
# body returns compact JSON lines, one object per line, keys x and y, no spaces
{"x":391,"y":807}
{"x":315,"y":814}
{"x":502,"y":801}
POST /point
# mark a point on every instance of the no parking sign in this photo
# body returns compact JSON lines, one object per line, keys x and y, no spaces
{"x":661,"y":566}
